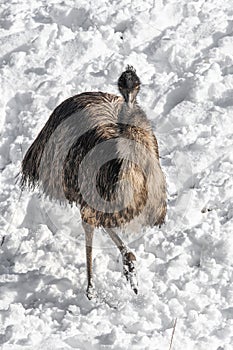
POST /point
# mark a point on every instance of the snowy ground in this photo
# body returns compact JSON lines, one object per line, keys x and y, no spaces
{"x":183,"y":53}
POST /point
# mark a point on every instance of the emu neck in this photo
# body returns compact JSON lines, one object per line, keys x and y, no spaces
{"x":130,"y":103}
{"x":128,"y":113}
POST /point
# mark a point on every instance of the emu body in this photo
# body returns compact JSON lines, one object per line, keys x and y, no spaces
{"x":98,"y":150}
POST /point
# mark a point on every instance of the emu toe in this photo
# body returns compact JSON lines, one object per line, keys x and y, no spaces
{"x":129,"y":270}
{"x":91,"y":292}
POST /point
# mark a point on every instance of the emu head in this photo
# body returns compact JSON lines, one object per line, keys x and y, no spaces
{"x":129,"y":85}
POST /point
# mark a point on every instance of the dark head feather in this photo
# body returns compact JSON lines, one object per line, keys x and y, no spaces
{"x":129,"y":85}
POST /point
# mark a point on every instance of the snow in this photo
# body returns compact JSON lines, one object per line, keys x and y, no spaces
{"x":183,"y":53}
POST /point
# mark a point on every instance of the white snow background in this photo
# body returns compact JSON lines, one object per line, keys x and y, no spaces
{"x":183,"y":53}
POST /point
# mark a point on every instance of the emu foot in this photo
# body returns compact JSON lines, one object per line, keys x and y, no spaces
{"x":91,"y":292}
{"x":129,"y":269}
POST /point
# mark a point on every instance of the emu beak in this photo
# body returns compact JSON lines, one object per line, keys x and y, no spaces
{"x":130,"y":99}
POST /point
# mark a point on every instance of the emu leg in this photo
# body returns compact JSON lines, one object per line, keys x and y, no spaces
{"x":128,"y":258}
{"x":89,"y":232}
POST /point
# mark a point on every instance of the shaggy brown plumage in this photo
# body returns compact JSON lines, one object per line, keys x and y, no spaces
{"x":73,"y":130}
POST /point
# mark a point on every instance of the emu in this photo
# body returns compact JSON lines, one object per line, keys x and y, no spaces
{"x":98,"y":151}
